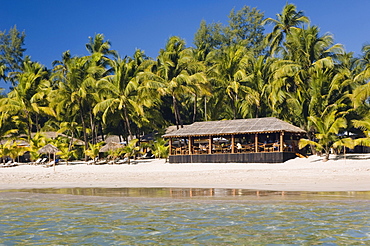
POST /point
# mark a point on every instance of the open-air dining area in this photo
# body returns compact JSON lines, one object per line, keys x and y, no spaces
{"x":244,"y":140}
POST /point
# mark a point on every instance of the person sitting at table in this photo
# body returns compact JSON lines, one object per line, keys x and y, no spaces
{"x":239,"y":147}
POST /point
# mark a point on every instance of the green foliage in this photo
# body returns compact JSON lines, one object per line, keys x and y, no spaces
{"x":13,"y":150}
{"x":11,"y":52}
{"x":131,"y":149}
{"x":93,"y":150}
{"x":160,"y":148}
{"x":295,"y":73}
{"x":327,"y":128}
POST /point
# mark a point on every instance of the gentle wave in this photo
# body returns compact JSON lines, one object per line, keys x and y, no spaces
{"x":44,"y":219}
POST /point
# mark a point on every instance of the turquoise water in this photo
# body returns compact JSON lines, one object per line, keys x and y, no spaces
{"x":183,"y":217}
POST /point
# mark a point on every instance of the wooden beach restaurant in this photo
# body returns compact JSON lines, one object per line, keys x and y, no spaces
{"x":259,"y":140}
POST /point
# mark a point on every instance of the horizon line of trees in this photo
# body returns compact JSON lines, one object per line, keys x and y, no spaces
{"x":294,"y":73}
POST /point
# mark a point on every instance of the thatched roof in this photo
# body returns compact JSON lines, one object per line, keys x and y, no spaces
{"x":173,"y":128}
{"x":111,"y":146}
{"x":19,"y":142}
{"x":49,"y":149}
{"x":54,"y":135}
{"x":242,"y":126}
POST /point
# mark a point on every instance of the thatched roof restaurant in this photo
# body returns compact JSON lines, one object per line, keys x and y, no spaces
{"x":244,"y":140}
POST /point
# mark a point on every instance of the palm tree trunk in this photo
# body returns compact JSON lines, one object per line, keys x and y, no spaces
{"x":127,"y":121}
{"x":175,"y":111}
{"x":84,"y":129}
{"x":195,"y":108}
{"x":92,"y":125}
{"x":29,"y":126}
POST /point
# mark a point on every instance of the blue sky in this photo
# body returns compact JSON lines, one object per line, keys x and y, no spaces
{"x":53,"y":27}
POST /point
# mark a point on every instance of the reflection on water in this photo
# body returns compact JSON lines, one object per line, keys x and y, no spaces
{"x":198,"y":193}
{"x":135,"y":217}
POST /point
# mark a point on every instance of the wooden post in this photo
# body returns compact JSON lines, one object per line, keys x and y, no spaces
{"x":170,"y":146}
{"x":190,"y":145}
{"x":210,"y":143}
{"x":232,"y":144}
{"x":281,"y":141}
{"x":256,"y":141}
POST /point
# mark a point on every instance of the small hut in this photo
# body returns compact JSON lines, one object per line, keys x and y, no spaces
{"x":49,"y":149}
{"x":110,"y":146}
{"x":261,"y":140}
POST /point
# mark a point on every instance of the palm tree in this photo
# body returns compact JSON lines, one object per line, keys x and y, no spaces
{"x":71,"y":98}
{"x":37,"y":142}
{"x":228,"y":73}
{"x":93,"y":151}
{"x":327,"y":128}
{"x":160,"y":148}
{"x":259,"y":71}
{"x":23,"y":100}
{"x":122,"y":93}
{"x":97,"y":44}
{"x":285,"y":22}
{"x":362,"y":92}
{"x":131,"y":149}
{"x":14,"y":151}
{"x":304,"y":83}
{"x":176,"y":74}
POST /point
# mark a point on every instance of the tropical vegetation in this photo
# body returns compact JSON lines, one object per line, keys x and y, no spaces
{"x":237,"y":70}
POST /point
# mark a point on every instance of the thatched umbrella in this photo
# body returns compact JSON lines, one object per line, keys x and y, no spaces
{"x":110,"y":146}
{"x":49,"y":149}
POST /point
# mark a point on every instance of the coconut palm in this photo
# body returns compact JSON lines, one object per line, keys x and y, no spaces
{"x":228,"y":73}
{"x":327,"y":128}
{"x":14,"y":151}
{"x":72,"y":98}
{"x":23,"y":100}
{"x":93,"y":151}
{"x":284,"y":23}
{"x":362,"y":92}
{"x":304,"y":83}
{"x":36,"y":142}
{"x":160,"y":148}
{"x":131,"y":149}
{"x":176,"y":74}
{"x":259,"y":71}
{"x":122,"y":93}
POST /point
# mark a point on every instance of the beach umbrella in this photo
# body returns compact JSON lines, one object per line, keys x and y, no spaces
{"x":110,"y":146}
{"x":49,"y":149}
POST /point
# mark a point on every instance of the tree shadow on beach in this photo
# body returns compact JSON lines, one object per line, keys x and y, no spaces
{"x":351,"y":157}
{"x":332,"y":157}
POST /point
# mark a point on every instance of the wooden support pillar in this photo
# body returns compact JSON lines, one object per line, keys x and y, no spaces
{"x":210,"y":143}
{"x":281,"y":141}
{"x":190,"y":145}
{"x":170,"y":146}
{"x":232,"y":144}
{"x":256,"y":142}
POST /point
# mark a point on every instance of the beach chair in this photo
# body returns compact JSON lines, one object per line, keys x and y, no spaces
{"x":11,"y":164}
{"x":37,"y":161}
{"x":125,"y":160}
{"x":50,"y":164}
{"x":43,"y":161}
{"x":101,"y":162}
{"x":6,"y":164}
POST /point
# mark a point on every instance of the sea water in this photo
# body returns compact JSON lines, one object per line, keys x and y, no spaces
{"x":183,"y":217}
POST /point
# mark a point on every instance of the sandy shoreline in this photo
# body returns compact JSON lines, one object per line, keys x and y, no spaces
{"x":300,"y":174}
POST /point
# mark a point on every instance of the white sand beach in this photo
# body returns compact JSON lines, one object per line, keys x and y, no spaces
{"x":299,"y":174}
